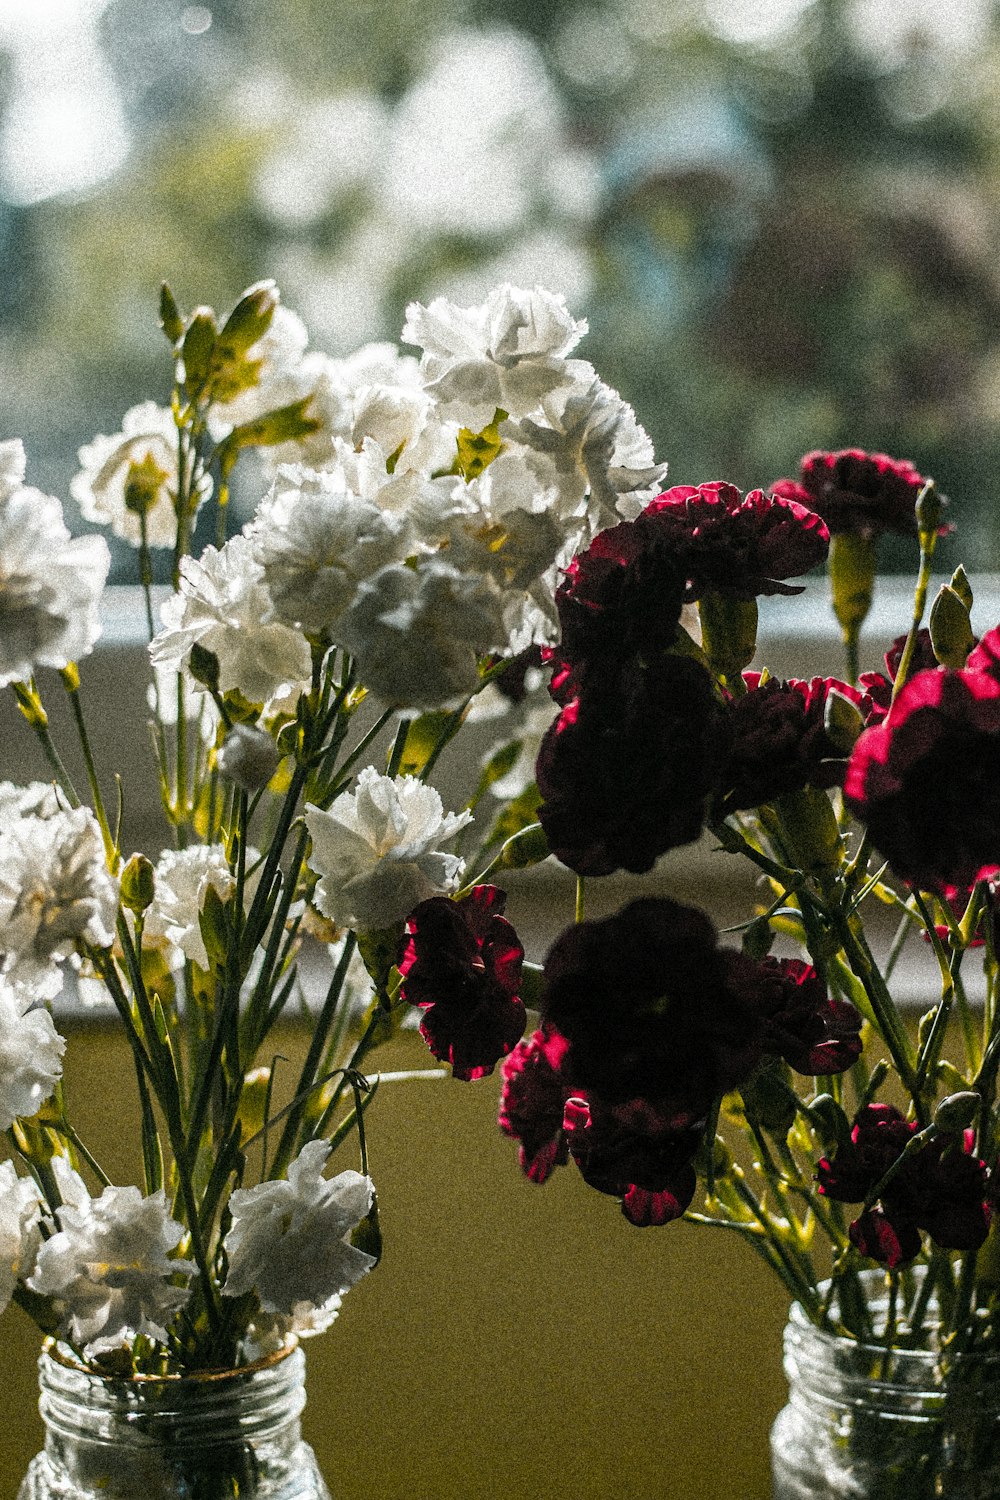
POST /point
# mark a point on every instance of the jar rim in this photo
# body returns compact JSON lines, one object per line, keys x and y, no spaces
{"x":798,"y":1317}
{"x":60,"y":1354}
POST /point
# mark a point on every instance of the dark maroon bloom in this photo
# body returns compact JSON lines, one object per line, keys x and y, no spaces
{"x":779,"y":741}
{"x":813,"y":1032}
{"x":941,"y":1189}
{"x":651,"y":1006}
{"x":741,"y":547}
{"x":951,"y":1190}
{"x":927,"y":781}
{"x":891,"y":1242}
{"x":625,"y":770}
{"x":634,"y":1153}
{"x":877,"y":689}
{"x":461,"y":963}
{"x":878,"y":1138}
{"x":866,"y":493}
{"x":985,"y":655}
{"x":622,"y":596}
{"x":532,"y":1101}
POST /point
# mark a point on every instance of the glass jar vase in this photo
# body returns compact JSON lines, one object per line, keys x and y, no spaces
{"x":207,"y":1436}
{"x":867,"y":1422}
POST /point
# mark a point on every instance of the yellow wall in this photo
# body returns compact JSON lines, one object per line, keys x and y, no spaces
{"x":516,"y":1341}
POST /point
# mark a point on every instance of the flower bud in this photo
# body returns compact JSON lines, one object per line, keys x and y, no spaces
{"x":137,"y":883}
{"x":842,"y":721}
{"x":930,"y":509}
{"x":253,"y":1101}
{"x":958,"y":1111}
{"x":250,"y":318}
{"x":951,"y":628}
{"x":198,"y":345}
{"x":248,"y":756}
{"x":204,"y":666}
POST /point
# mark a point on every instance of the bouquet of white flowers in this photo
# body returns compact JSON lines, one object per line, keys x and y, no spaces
{"x":404,"y":555}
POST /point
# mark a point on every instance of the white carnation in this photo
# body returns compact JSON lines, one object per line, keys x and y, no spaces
{"x":20,"y":1214}
{"x":181,"y":882}
{"x":377,"y":851}
{"x":109,"y":1269}
{"x":316,"y":541}
{"x":31,"y":1052}
{"x":55,"y":892}
{"x":224,"y":605}
{"x":598,"y":450}
{"x":50,"y":584}
{"x":39,"y":799}
{"x":416,"y":633}
{"x":148,"y":440}
{"x":288,"y":1241}
{"x":508,"y":352}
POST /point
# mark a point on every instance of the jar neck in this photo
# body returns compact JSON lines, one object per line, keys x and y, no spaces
{"x":827,"y":1370}
{"x":259,"y":1404}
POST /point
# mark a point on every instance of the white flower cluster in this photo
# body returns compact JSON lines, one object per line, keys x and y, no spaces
{"x":55,"y":890}
{"x":289,"y":1243}
{"x":50,"y":584}
{"x":109,"y":1265}
{"x":423,"y":523}
{"x":376,"y":851}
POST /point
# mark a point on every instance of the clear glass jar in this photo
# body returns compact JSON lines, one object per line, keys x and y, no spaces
{"x":864,"y":1423}
{"x":211,"y":1436}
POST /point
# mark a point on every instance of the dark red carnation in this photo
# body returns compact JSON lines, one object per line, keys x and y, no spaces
{"x":622,"y":596}
{"x":865,"y":493}
{"x":532,"y":1101}
{"x":737,"y":546}
{"x":926,"y":782}
{"x":461,"y":964}
{"x":651,"y":1006}
{"x":879,"y":1136}
{"x":778,"y":740}
{"x":877,"y":689}
{"x":634,"y":1153}
{"x":625,"y":770}
{"x":813,"y":1032}
{"x":892,"y":1242}
{"x":941,"y":1189}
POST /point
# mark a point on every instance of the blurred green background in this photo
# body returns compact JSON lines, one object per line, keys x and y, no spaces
{"x":782,"y":219}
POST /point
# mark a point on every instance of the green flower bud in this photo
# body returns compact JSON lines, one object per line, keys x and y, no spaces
{"x":137,"y":883}
{"x":249,"y":320}
{"x":248,"y":756}
{"x":958,"y":1111}
{"x":204,"y":667}
{"x":930,"y":509}
{"x":199,"y":345}
{"x":951,"y":628}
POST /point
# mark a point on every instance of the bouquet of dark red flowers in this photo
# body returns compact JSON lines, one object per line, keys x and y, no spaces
{"x":768,"y":1082}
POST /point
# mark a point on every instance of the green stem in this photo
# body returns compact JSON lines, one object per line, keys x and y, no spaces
{"x":928,"y":541}
{"x":72,"y":688}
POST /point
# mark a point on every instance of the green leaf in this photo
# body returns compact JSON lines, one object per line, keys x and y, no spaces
{"x":527,"y":847}
{"x":281,"y":426}
{"x":422,"y":738}
{"x":518,"y":813}
{"x":502,"y":761}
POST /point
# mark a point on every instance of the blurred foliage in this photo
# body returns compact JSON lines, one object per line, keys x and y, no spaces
{"x":794,"y":243}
